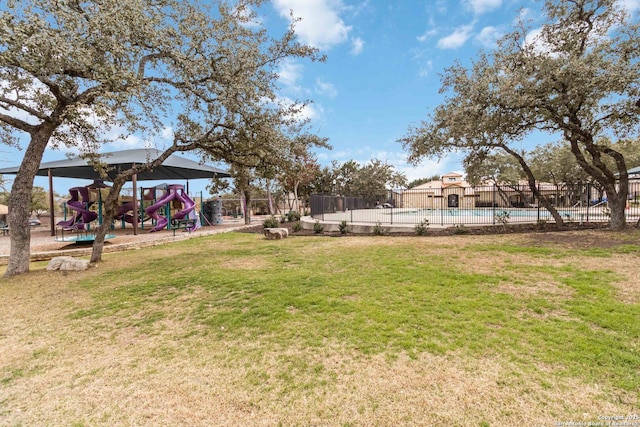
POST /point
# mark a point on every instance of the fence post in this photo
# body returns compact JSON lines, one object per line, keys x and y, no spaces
{"x":588,"y":199}
{"x":538,"y":205}
{"x":493,"y":205}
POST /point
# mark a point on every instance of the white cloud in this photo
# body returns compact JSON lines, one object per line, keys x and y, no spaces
{"x":535,"y":40}
{"x":357,"y":45}
{"x":426,"y":69}
{"x":320,"y":25}
{"x":456,"y":39}
{"x":308,"y":112}
{"x":629,"y":6}
{"x":489,"y":36}
{"x":326,"y":88}
{"x":290,"y":74}
{"x":167,"y":133}
{"x":427,"y":35}
{"x":483,"y":6}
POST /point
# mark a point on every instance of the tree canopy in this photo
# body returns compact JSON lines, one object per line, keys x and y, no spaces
{"x":370,"y":181}
{"x":70,"y":69}
{"x":577,"y":77}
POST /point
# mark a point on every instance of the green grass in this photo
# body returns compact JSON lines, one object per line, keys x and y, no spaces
{"x":373,"y":330}
{"x":391,"y":299}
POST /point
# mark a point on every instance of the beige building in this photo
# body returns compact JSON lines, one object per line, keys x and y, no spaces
{"x":451,"y":191}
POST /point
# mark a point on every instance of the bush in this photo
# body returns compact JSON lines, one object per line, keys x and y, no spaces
{"x":271,"y":222}
{"x":343,"y":227}
{"x":502,"y":218}
{"x":460,"y":229}
{"x":421,"y":229}
{"x":293,"y":216}
{"x":297,"y":226}
{"x":378,"y":229}
{"x":317,"y":227}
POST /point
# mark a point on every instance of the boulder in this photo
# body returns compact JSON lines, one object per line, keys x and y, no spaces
{"x":276,"y":233}
{"x":67,"y":263}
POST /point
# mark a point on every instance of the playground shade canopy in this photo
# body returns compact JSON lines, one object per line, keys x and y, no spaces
{"x":173,"y":168}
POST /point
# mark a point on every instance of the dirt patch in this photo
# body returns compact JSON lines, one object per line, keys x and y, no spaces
{"x":583,"y":238}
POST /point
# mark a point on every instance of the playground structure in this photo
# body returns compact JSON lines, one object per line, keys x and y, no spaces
{"x":168,"y":206}
{"x":81,"y":203}
{"x":178,"y":207}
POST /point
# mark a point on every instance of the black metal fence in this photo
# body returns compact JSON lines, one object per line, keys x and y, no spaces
{"x":464,"y":205}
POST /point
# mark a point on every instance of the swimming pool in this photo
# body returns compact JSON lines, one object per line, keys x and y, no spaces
{"x":456,"y":216}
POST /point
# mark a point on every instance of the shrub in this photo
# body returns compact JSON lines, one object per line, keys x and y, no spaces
{"x":343,"y":227}
{"x":271,"y":222}
{"x":293,"y":216}
{"x":378,"y":229}
{"x":502,"y":218}
{"x":460,"y":229}
{"x":297,"y":226}
{"x":317,"y":227}
{"x":422,"y":227}
{"x":541,"y":224}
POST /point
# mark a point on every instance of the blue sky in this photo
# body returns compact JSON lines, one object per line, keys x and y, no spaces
{"x":382,"y":74}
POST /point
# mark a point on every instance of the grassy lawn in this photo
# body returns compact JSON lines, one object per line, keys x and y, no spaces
{"x":232,"y":329}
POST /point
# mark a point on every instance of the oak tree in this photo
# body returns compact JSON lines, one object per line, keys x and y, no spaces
{"x":69,"y":69}
{"x":577,"y":77}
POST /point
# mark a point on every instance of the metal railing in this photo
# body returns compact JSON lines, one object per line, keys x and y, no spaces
{"x":481,"y":205}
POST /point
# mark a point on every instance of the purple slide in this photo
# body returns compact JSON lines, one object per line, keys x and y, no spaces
{"x":122,"y":212}
{"x":173,"y":192}
{"x":83,"y":216}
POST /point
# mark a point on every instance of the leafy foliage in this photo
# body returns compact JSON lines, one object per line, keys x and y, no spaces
{"x":70,"y":70}
{"x":578,"y":78}
{"x":293,"y":216}
{"x":271,"y":222}
{"x":343,"y":227}
{"x":422,"y":227}
{"x":370,"y":181}
{"x":379,"y":230}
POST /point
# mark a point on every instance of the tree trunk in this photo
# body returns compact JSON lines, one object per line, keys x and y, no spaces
{"x":20,"y":199}
{"x":544,"y":201}
{"x":617,"y":203}
{"x":247,"y":211}
{"x":616,"y":197}
{"x":296,"y":202}
{"x":110,"y":208}
{"x":270,"y":199}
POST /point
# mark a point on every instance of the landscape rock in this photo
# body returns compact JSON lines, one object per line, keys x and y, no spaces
{"x":276,"y":233}
{"x":67,"y":263}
